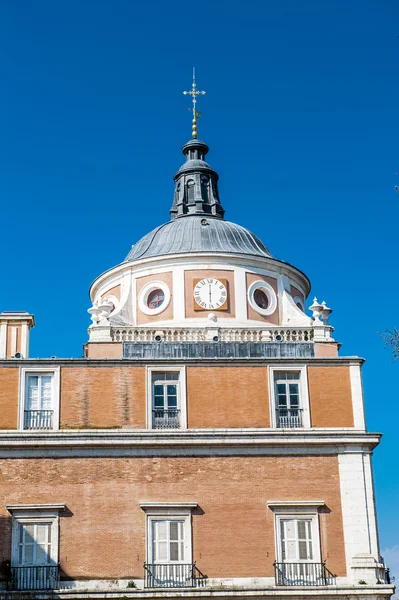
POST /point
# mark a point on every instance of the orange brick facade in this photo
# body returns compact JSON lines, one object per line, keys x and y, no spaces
{"x":330,"y":397}
{"x":228,"y":396}
{"x":102,"y":534}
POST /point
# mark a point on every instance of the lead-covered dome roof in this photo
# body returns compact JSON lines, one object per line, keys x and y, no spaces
{"x":198,"y":234}
{"x":197,"y":223}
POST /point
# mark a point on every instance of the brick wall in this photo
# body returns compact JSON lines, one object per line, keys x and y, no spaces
{"x":96,"y":396}
{"x":228,"y":397}
{"x":330,"y":397}
{"x":103,"y":533}
{"x":103,"y":397}
{"x":9,"y":384}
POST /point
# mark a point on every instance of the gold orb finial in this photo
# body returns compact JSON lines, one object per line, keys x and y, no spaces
{"x":194,"y":93}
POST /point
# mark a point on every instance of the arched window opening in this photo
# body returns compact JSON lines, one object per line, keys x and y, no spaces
{"x":205,"y":189}
{"x":190,"y":191}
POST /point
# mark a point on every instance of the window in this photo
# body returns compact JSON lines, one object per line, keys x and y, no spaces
{"x":38,"y":403}
{"x":288,"y":409}
{"x":169,"y":559}
{"x":166,"y":398}
{"x":39,"y":399}
{"x":205,"y":189}
{"x":262,"y":298}
{"x":167,"y":541}
{"x":34,"y":546}
{"x":289,"y":397}
{"x":190,"y":190}
{"x":165,"y":401}
{"x":296,"y":540}
{"x":155,"y":298}
{"x":34,"y":557}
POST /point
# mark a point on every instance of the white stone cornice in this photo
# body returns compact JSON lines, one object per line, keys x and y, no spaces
{"x":223,"y":591}
{"x":216,"y":442}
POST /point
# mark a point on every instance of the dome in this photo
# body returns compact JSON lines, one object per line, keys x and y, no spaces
{"x":198,"y":234}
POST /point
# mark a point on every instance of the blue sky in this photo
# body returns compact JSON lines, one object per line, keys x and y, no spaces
{"x":302,"y":120}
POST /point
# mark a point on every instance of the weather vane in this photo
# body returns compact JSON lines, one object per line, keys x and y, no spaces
{"x":194,"y":93}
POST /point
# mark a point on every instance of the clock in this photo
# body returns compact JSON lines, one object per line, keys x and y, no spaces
{"x":210,"y":294}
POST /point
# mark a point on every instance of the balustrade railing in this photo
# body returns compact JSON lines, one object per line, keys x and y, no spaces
{"x":289,"y":418}
{"x":38,"y":419}
{"x":172,"y":575}
{"x":163,"y":418}
{"x":146,"y":334}
{"x":44,"y":577}
{"x":306,"y":573}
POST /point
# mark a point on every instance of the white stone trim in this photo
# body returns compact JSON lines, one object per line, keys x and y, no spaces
{"x":146,"y":291}
{"x":222,"y":588}
{"x":303,"y":387}
{"x":299,"y":300}
{"x":179,"y":294}
{"x":358,"y":513}
{"x":3,"y":339}
{"x":357,"y":397}
{"x":14,"y":339}
{"x":297,"y":510}
{"x":25,"y":514}
{"x":371,"y":509}
{"x":170,"y":514}
{"x":265,"y":287}
{"x":52,"y":370}
{"x":182,"y":391}
{"x":147,"y":506}
{"x":240,"y":286}
{"x":25,"y":340}
{"x":284,"y":504}
{"x":26,"y":508}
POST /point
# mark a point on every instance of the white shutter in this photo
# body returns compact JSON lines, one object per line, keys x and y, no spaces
{"x":160,"y":541}
{"x":32,"y":399}
{"x":46,"y":381}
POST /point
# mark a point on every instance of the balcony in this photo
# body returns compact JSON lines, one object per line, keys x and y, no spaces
{"x":303,"y":574}
{"x":38,"y":419}
{"x":166,"y":418}
{"x":34,"y":578}
{"x":172,"y":576}
{"x":289,"y":418}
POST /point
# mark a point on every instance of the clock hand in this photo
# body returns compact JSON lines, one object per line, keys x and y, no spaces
{"x":210,"y":293}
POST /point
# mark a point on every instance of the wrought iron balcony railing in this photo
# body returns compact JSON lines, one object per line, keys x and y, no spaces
{"x":46,"y":577}
{"x":38,"y":419}
{"x":305,"y":573}
{"x":163,"y":418}
{"x":172,"y":575}
{"x":289,"y":418}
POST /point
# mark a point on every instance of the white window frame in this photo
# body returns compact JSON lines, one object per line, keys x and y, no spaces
{"x":287,"y":510}
{"x":303,"y":393}
{"x":169,"y":512}
{"x":35,"y":514}
{"x":55,"y":393}
{"x":182,"y":393}
{"x":144,"y":295}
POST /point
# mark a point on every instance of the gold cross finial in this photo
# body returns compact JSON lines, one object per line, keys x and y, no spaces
{"x":194,"y":93}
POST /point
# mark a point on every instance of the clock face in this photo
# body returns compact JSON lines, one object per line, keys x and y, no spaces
{"x":210,"y":294}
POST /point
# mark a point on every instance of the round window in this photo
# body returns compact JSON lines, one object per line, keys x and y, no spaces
{"x":155,"y":299}
{"x":261,"y":299}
